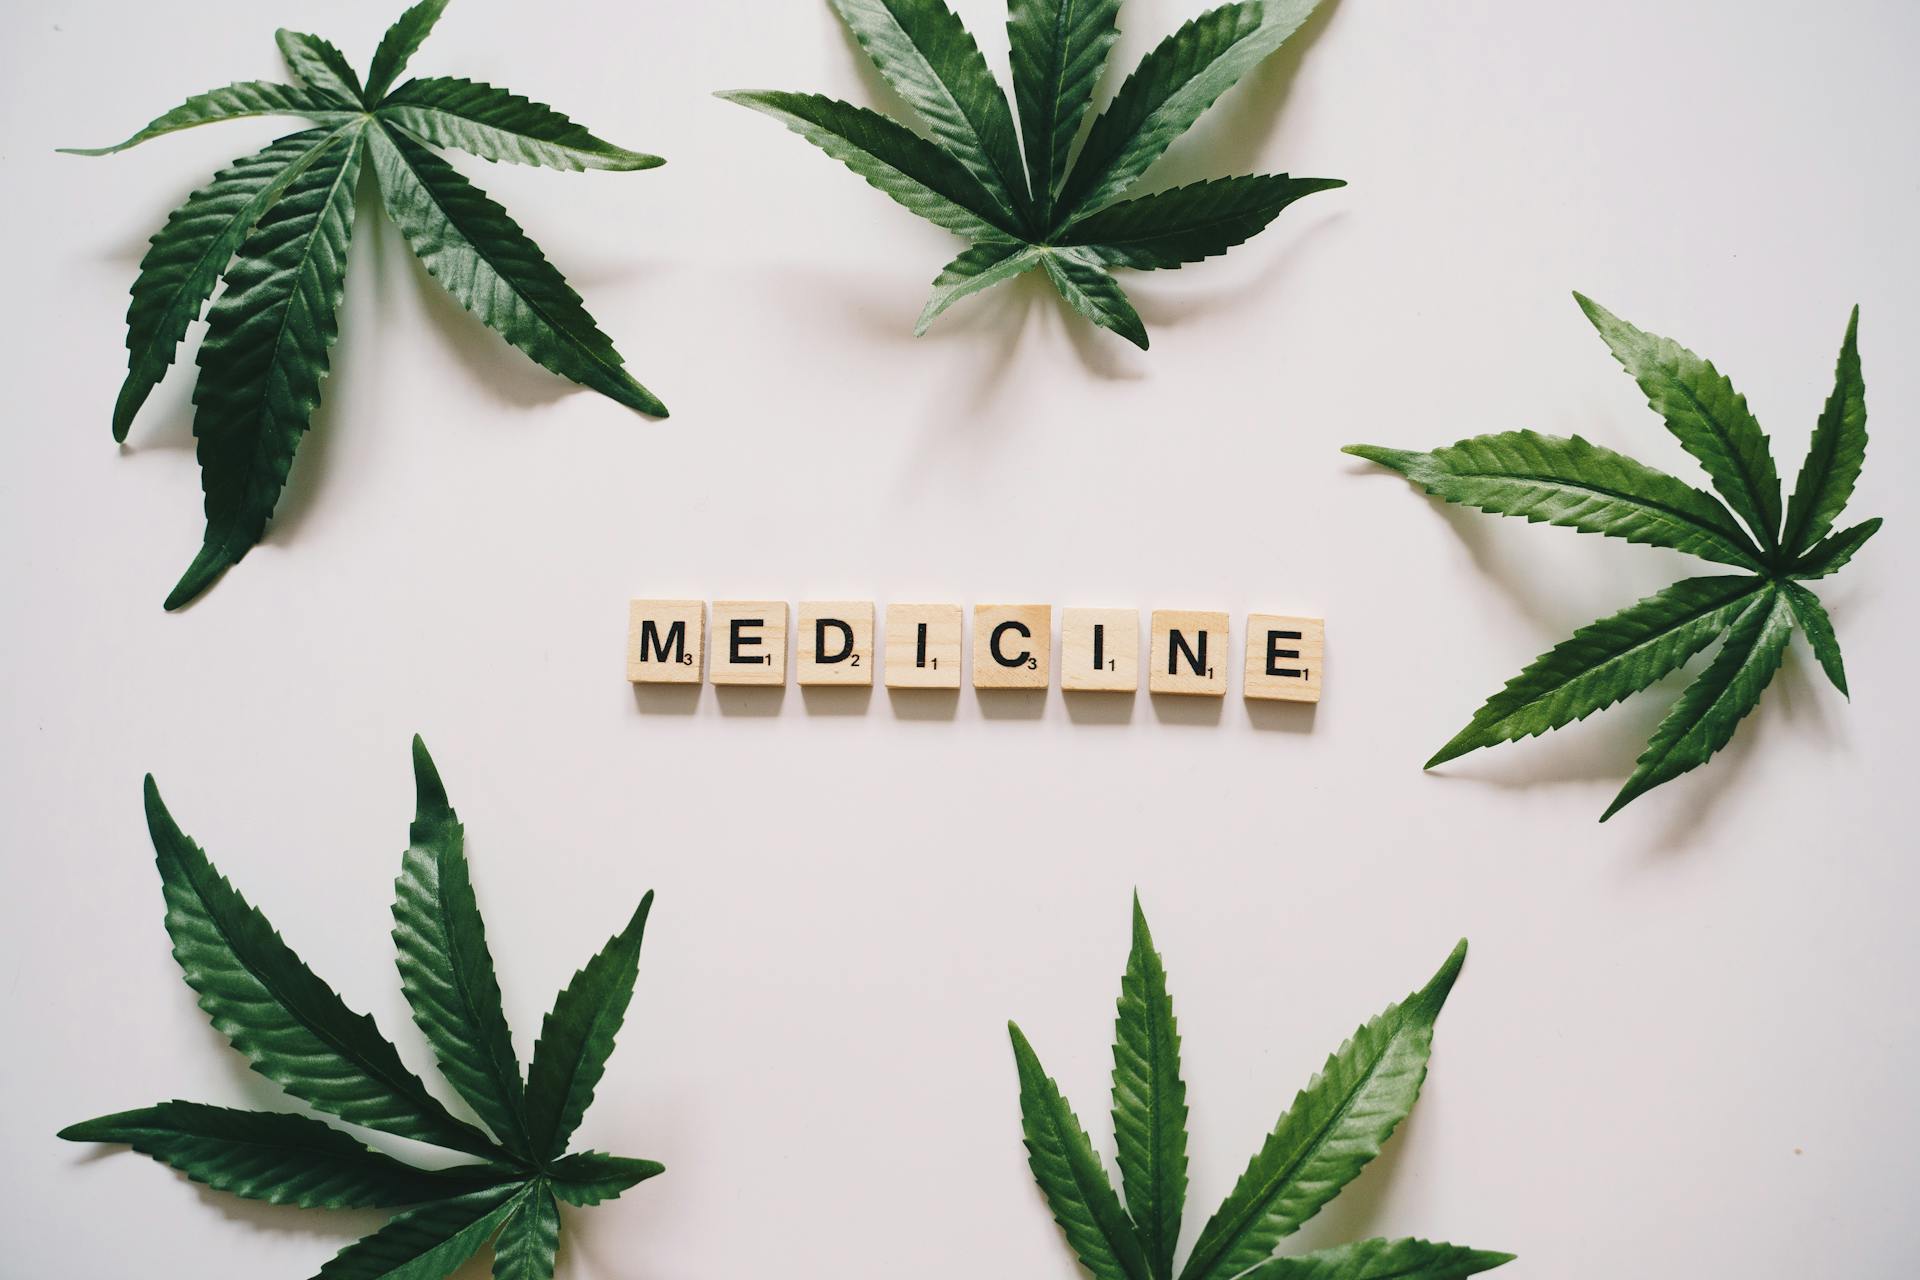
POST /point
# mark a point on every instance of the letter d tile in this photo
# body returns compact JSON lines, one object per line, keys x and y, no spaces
{"x":834,"y":643}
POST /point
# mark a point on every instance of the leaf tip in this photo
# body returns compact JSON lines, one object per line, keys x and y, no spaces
{"x":428,"y":790}
{"x":1142,"y":936}
{"x":1609,"y":325}
{"x":637,"y":922}
{"x":1394,"y":459}
{"x":212,"y":561}
{"x":1431,"y":997}
{"x":630,"y":393}
{"x":1596,"y":315}
{"x":1459,"y":745}
{"x":158,"y":819}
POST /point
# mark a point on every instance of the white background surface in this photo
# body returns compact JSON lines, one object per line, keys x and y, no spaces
{"x":1684,"y":1042}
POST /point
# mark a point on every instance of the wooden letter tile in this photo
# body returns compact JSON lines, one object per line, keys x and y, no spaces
{"x":664,"y":641}
{"x":1284,"y":657}
{"x":835,"y":643}
{"x":749,"y":642}
{"x":1100,"y":650}
{"x":1189,"y":653}
{"x":923,"y":646}
{"x":1012,"y":646}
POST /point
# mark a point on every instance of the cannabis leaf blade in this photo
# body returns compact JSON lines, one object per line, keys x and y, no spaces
{"x":979,"y":268}
{"x":1606,"y":661}
{"x":488,"y":264}
{"x":1335,"y":1126}
{"x":271,"y":1156}
{"x":577,"y":1037}
{"x":1833,"y":552}
{"x":294,"y":1029}
{"x":589,"y":1177}
{"x":932,"y":62}
{"x":446,"y":970}
{"x":265,"y":355}
{"x":1187,"y":224}
{"x":429,"y":1242}
{"x":283,"y":219}
{"x":1167,"y":92}
{"x":1407,"y":1259}
{"x":496,"y":125}
{"x":231,"y":102}
{"x":1574,"y":484}
{"x":1818,"y":628}
{"x":968,"y":176}
{"x":288,"y":1024}
{"x":1071,"y":1176}
{"x":1571,"y":482}
{"x":1095,"y":294}
{"x":1707,"y":416}
{"x":320,"y":65}
{"x":529,"y":1239}
{"x":1711,"y":708}
{"x":188,"y":254}
{"x":1834,"y":458}
{"x":1058,"y":49}
{"x":402,"y":40}
{"x":1333,"y":1129}
{"x":1150,"y":1102}
{"x":891,"y":158}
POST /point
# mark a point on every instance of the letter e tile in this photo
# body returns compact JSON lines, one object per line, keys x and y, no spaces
{"x":1284,"y":657}
{"x":749,"y":642}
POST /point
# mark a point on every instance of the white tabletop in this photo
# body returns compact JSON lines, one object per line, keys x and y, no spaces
{"x":1684,"y":1040}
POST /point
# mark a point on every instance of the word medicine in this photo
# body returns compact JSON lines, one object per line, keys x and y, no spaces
{"x":922,"y":645}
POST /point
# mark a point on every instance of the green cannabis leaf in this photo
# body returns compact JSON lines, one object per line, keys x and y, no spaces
{"x":1054,"y":212}
{"x":1336,"y":1125}
{"x":293,"y":1029}
{"x":1594,"y":490}
{"x":275,"y":226}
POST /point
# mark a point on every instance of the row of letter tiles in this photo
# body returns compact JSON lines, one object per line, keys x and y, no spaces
{"x":1187,"y":650}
